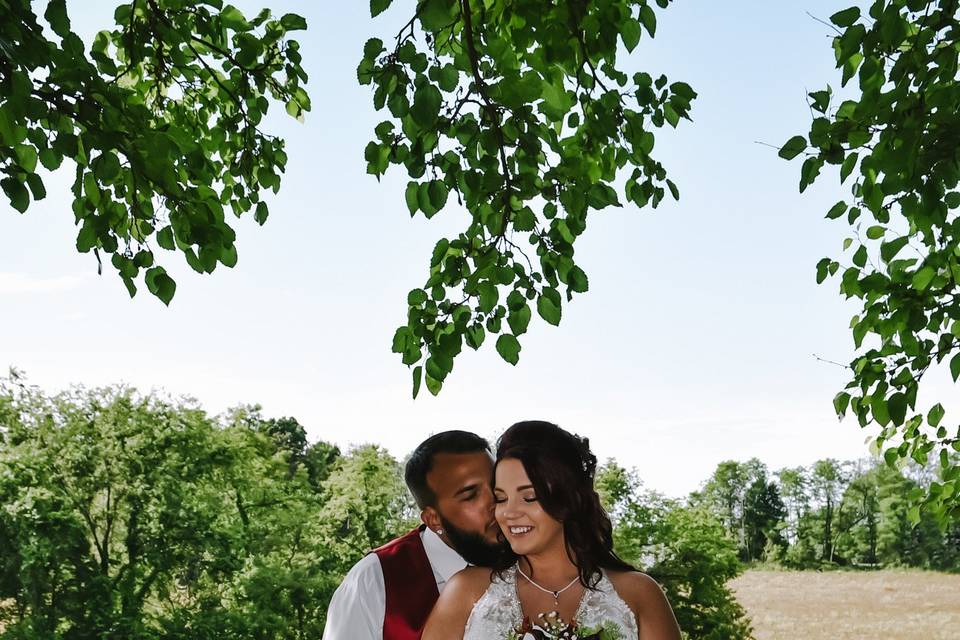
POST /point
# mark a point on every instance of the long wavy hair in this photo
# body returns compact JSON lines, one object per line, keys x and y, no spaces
{"x":561,"y":469}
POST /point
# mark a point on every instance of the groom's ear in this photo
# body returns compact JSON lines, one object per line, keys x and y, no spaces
{"x":431,"y":518}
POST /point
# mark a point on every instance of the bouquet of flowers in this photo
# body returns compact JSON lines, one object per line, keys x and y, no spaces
{"x":550,"y":626}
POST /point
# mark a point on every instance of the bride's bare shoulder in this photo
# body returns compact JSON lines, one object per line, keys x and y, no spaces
{"x":648,"y":602}
{"x":456,"y":601}
{"x":472,"y":581}
{"x":633,"y":583}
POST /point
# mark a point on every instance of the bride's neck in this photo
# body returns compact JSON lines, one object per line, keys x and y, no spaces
{"x":550,"y":565}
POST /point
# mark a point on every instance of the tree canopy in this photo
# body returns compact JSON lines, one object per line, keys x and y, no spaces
{"x":895,"y":141}
{"x":519,"y":111}
{"x":161,"y":120}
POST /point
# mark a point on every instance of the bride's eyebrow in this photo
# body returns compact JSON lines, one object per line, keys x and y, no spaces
{"x":521,"y":488}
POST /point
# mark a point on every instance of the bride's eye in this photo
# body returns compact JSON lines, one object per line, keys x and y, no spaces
{"x":530,"y":499}
{"x":498,"y":499}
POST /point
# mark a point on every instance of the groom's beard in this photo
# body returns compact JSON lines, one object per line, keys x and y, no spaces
{"x":474,"y":548}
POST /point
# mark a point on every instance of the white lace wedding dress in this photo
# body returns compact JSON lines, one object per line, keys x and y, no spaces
{"x":498,"y":611}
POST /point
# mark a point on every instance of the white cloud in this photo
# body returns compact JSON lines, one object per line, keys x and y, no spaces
{"x":14,"y":283}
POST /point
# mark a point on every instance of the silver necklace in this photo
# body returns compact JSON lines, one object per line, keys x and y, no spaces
{"x":555,"y":594}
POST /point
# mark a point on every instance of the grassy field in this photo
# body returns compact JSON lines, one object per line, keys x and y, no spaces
{"x":840,"y":605}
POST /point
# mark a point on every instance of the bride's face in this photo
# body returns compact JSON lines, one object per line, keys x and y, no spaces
{"x":528,"y":528}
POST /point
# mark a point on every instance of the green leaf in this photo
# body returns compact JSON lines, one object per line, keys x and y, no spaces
{"x":840,"y":403}
{"x":649,"y":19}
{"x":56,"y":15}
{"x":889,"y":250}
{"x":18,"y":194}
{"x":293,"y":22}
{"x":433,"y":385}
{"x":793,"y":147}
{"x":417,"y":377}
{"x":878,"y":405}
{"x":891,"y":456}
{"x":488,"y":296}
{"x":165,"y":238}
{"x":372,"y":48}
{"x":51,"y":159}
{"x":671,"y":115}
{"x":475,"y":336}
{"x":846,"y":17}
{"x":437,"y":192}
{"x":549,"y":309}
{"x":577,"y":280}
{"x":26,"y":157}
{"x":955,"y":367}
{"x":837,"y":210}
{"x":923,"y":278}
{"x":232,"y":18}
{"x":875,"y":232}
{"x":519,"y":320}
{"x":160,"y":284}
{"x":847,"y":167}
{"x":508,"y":348}
{"x":228,"y":256}
{"x":935,"y":415}
{"x":897,"y":408}
{"x":378,"y":6}
{"x":261,"y":213}
{"x":416,"y":297}
{"x":36,"y":186}
{"x":630,"y":31}
{"x":426,"y":105}
{"x":410,"y":195}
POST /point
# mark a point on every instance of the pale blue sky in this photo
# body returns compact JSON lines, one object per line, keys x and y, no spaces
{"x":693,"y":345}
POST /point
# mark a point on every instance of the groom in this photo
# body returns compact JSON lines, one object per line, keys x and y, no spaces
{"x":390,"y":592}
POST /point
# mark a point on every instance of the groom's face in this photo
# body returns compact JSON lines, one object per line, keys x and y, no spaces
{"x":462,"y":484}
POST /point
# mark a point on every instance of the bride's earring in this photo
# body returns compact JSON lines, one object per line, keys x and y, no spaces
{"x":439,"y":532}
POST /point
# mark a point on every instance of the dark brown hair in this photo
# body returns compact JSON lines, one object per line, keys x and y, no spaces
{"x":561,"y":467}
{"x":421,"y":460}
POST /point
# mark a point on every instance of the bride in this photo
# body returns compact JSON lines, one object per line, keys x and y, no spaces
{"x":560,"y":577}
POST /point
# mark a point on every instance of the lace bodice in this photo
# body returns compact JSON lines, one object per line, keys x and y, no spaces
{"x":498,"y":611}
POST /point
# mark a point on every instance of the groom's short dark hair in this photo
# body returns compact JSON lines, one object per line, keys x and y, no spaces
{"x":421,"y":460}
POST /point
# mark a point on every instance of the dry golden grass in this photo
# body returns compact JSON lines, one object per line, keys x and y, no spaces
{"x":840,"y":605}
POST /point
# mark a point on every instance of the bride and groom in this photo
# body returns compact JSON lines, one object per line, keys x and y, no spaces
{"x":514,"y":547}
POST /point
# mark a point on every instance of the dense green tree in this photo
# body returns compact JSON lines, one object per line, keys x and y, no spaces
{"x":763,"y":516}
{"x":897,"y":139}
{"x":366,"y":504}
{"x":828,"y":481}
{"x":134,"y":516}
{"x":161,"y":119}
{"x":793,"y":483}
{"x":747,"y":503}
{"x":519,"y":111}
{"x":860,"y":520}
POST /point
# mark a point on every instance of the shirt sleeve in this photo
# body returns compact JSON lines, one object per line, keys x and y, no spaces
{"x":358,"y":605}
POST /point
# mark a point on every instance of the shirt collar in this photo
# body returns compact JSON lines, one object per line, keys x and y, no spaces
{"x":444,"y":560}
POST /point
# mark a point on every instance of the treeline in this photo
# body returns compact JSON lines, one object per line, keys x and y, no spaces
{"x":138,"y":516}
{"x":832,"y":513}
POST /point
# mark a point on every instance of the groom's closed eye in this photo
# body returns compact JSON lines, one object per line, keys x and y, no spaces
{"x":467,"y":493}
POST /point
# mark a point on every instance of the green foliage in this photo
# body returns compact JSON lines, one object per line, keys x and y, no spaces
{"x":518,"y":110}
{"x":898,"y":141}
{"x":748,"y":505}
{"x":366,"y":505}
{"x":132,"y":516}
{"x":685,"y":548}
{"x":161,"y":118}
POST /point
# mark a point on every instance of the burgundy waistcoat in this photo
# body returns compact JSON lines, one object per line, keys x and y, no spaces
{"x":411,"y":589}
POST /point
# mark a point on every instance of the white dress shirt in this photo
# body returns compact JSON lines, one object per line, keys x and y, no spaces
{"x":358,"y":606}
